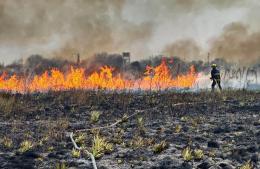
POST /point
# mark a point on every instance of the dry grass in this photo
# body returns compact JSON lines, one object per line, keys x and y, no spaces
{"x":7,"y":104}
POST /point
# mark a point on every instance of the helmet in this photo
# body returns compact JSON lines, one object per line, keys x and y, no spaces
{"x":213,"y":65}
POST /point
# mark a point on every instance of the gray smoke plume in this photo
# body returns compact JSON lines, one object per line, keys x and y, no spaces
{"x":186,"y":49}
{"x":61,"y":28}
{"x":65,"y":27}
{"x":237,"y":44}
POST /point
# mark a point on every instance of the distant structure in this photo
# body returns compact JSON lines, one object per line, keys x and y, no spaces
{"x":78,"y":59}
{"x":208,"y":57}
{"x":126,"y":58}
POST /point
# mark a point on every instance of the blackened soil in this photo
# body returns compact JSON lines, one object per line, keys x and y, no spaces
{"x":225,"y":126}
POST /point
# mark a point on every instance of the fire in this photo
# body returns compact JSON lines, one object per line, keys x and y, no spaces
{"x":155,"y":78}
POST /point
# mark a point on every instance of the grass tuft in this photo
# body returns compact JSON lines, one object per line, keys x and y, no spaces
{"x":187,"y":154}
{"x":25,"y":146}
{"x":75,"y":153}
{"x":158,"y":148}
{"x":61,"y":165}
{"x":100,"y":146}
{"x":7,"y":142}
{"x":247,"y":165}
{"x":95,"y":116}
{"x":198,"y":154}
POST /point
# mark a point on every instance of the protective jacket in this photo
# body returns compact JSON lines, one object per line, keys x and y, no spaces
{"x":215,"y":74}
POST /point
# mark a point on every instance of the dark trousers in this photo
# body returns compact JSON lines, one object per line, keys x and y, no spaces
{"x":216,"y":81}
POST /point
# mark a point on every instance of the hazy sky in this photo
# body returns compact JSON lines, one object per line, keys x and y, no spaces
{"x":143,"y":27}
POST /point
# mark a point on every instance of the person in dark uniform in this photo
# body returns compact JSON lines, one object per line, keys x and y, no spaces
{"x":215,"y":77}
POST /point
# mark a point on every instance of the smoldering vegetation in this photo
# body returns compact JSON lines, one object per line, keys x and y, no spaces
{"x":38,"y":64}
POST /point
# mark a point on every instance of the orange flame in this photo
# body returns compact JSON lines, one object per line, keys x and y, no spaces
{"x":155,"y":78}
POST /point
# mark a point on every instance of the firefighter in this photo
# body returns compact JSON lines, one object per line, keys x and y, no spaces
{"x":215,"y":77}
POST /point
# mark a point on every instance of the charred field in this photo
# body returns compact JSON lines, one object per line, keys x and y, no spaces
{"x":155,"y":129}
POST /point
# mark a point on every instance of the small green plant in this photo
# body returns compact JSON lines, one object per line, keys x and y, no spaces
{"x":95,"y":116}
{"x":187,"y":154}
{"x":212,"y":153}
{"x":25,"y":146}
{"x":137,"y":142}
{"x":61,"y":165}
{"x":178,"y":128}
{"x":184,"y":119}
{"x":100,"y":146}
{"x":140,"y":125}
{"x":80,"y":139}
{"x":73,"y":110}
{"x":75,"y":153}
{"x":124,"y":118}
{"x":247,"y":165}
{"x":119,"y":161}
{"x":140,"y":122}
{"x":118,"y":136}
{"x":198,"y":154}
{"x":194,"y":123}
{"x":50,"y":149}
{"x":7,"y":142}
{"x":158,"y":148}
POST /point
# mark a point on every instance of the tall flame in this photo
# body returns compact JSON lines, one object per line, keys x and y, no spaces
{"x":155,"y":78}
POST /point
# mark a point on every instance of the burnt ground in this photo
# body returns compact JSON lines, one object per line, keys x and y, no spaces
{"x":225,"y":126}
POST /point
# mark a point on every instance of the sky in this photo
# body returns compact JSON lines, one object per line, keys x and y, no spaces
{"x":189,"y":29}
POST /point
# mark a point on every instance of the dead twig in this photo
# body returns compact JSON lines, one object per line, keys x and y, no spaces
{"x":80,"y":149}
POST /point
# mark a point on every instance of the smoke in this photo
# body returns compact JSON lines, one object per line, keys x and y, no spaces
{"x":186,"y":49}
{"x":61,"y":28}
{"x":237,"y":44}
